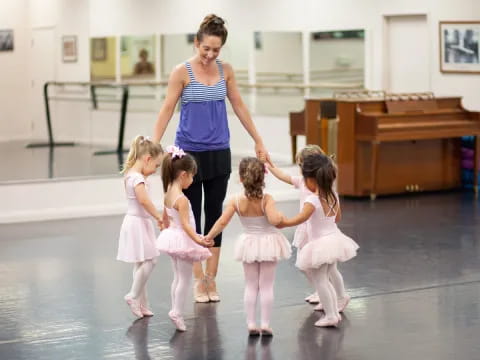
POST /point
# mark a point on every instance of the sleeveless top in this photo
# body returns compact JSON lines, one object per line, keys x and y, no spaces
{"x":255,"y":225}
{"x":203,"y":115}
{"x":321,"y":223}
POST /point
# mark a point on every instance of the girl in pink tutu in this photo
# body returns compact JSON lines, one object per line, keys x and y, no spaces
{"x":180,"y":239}
{"x":136,"y":243}
{"x":326,"y":244}
{"x":300,"y":237}
{"x":260,"y":246}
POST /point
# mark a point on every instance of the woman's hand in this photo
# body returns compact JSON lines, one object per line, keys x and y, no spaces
{"x":261,"y":152}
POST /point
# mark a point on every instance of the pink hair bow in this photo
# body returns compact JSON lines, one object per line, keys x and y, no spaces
{"x":175,"y":151}
{"x":146,"y":138}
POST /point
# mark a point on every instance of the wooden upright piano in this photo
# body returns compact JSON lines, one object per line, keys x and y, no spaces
{"x":410,"y":144}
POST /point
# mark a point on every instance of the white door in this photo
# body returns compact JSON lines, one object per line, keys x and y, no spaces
{"x":407,"y":54}
{"x":42,"y":60}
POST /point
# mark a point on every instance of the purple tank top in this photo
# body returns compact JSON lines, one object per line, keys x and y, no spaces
{"x":203,"y":115}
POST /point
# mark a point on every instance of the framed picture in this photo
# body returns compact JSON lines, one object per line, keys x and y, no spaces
{"x":459,"y":47}
{"x":69,"y":48}
{"x":99,"y":49}
{"x":6,"y":40}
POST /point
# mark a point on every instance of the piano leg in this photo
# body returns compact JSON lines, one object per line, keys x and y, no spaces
{"x":475,"y":164}
{"x":294,"y":147}
{"x":373,"y":170}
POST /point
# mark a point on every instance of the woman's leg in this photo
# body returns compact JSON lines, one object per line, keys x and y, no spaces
{"x":215,"y":191}
{"x":252,"y":273}
{"x":266,"y":283}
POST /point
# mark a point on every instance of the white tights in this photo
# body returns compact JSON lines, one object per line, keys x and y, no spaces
{"x":325,"y":290}
{"x":141,"y":273}
{"x":335,"y":278}
{"x":182,"y":278}
{"x":259,"y":280}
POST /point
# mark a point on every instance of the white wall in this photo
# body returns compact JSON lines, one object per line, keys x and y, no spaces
{"x":14,"y":74}
{"x":279,"y":52}
{"x":88,"y":18}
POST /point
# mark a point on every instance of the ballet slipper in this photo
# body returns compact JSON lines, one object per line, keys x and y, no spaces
{"x":198,"y":295}
{"x":177,"y":321}
{"x":253,"y":330}
{"x":327,"y":322}
{"x":319,"y":307}
{"x":146,"y":311}
{"x":313,"y":298}
{"x":343,"y":303}
{"x":212,"y":289}
{"x":134,"y":306}
{"x":266,"y":331}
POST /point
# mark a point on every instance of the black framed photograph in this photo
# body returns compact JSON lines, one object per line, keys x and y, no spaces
{"x":69,"y":48}
{"x":459,"y":47}
{"x":6,"y":40}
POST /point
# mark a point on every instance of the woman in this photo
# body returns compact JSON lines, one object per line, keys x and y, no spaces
{"x":202,"y":83}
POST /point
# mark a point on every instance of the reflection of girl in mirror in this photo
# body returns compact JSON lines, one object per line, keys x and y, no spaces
{"x":202,"y":83}
{"x":143,"y":67}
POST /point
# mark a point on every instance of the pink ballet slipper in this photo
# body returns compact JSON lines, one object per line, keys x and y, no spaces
{"x":146,"y":311}
{"x":177,"y":321}
{"x":343,"y":303}
{"x":319,"y":307}
{"x":327,"y":322}
{"x":313,"y":298}
{"x":134,"y":306}
{"x":266,"y":331}
{"x":253,"y":330}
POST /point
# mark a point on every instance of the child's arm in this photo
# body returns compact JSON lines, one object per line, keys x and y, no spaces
{"x":279,"y":174}
{"x":274,"y":216}
{"x":222,"y":221}
{"x":339,"y":214}
{"x":301,"y":217}
{"x":144,"y":200}
{"x":184,"y":211}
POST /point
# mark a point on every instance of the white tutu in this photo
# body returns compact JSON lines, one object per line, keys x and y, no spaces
{"x":300,"y":238}
{"x":136,"y":242}
{"x":328,"y":249}
{"x":270,"y":246}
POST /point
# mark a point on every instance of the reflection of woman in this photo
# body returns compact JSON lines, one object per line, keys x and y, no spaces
{"x":143,"y":67}
{"x":202,"y":83}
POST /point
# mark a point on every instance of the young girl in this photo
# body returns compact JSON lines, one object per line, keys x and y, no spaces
{"x":300,"y":237}
{"x":180,"y":239}
{"x":326,"y":244}
{"x":261,"y":245}
{"x":137,"y":236}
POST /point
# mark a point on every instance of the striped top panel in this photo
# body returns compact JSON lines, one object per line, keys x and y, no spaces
{"x":197,"y":92}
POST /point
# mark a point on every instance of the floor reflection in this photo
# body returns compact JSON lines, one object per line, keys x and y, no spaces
{"x":263,"y":353}
{"x":320,"y":343}
{"x":138,"y":335}
{"x":202,"y":338}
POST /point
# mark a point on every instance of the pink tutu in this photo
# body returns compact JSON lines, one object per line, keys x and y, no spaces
{"x":270,"y":246}
{"x":300,"y":238}
{"x":137,"y":240}
{"x":327,"y":249}
{"x":175,"y":242}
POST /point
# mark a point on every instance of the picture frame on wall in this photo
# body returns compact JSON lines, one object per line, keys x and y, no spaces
{"x":6,"y":40}
{"x":99,"y":49}
{"x":459,"y":47}
{"x":69,"y":49}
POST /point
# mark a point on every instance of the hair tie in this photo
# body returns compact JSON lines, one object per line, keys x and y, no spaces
{"x":175,"y":151}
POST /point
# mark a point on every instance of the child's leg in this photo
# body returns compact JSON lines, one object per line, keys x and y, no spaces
{"x":143,"y":295}
{"x":252,"y":272}
{"x":174,"y":281}
{"x":266,"y":282}
{"x":184,"y":279}
{"x":332,"y":289}
{"x":320,"y":277}
{"x":337,"y":281}
{"x":141,"y":274}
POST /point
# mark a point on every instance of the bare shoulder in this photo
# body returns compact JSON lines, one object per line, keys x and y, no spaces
{"x":227,"y":69}
{"x":179,"y":72}
{"x":182,"y":203}
{"x":268,"y":199}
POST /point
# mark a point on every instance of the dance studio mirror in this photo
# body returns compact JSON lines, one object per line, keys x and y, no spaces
{"x":336,"y":61}
{"x":278,"y":72}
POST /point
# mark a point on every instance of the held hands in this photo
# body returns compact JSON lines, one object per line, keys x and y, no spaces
{"x":261,"y":152}
{"x":281,"y":224}
{"x":205,"y":241}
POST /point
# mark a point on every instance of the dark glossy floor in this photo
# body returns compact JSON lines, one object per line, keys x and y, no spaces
{"x":415,"y":283}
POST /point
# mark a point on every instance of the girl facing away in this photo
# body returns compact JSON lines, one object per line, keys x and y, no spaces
{"x":326,"y":244}
{"x":180,"y":240}
{"x":136,"y":243}
{"x":260,"y":246}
